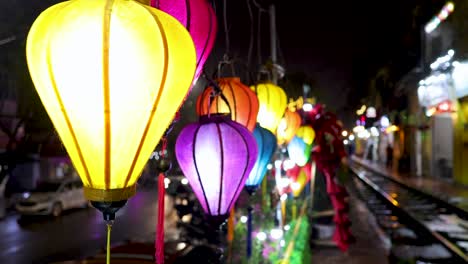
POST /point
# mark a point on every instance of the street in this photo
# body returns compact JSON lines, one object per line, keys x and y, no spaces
{"x":75,"y":234}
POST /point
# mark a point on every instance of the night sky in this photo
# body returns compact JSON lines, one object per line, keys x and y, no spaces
{"x":335,"y":45}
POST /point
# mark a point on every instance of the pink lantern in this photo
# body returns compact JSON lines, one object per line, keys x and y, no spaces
{"x":216,"y":155}
{"x":200,"y":20}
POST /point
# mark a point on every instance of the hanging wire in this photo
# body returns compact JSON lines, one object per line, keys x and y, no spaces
{"x":252,"y":33}
{"x":280,"y":51}
{"x":259,"y":45}
{"x":260,"y":8}
{"x":226,"y":30}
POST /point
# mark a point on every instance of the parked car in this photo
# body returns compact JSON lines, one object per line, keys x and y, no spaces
{"x":51,"y":198}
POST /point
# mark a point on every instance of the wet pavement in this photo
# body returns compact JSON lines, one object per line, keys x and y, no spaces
{"x":371,"y":246}
{"x":75,"y":234}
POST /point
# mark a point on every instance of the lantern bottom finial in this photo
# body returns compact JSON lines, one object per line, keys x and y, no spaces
{"x":108,"y":209}
{"x":251,"y":189}
{"x":217,"y":221}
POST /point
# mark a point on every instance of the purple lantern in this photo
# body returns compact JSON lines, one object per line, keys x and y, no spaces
{"x":200,"y":20}
{"x":216,"y":155}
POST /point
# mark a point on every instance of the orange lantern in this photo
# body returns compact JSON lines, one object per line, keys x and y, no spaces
{"x":241,"y":102}
{"x":288,"y":126}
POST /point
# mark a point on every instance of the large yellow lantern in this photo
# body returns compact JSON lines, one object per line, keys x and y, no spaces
{"x":273,"y":101}
{"x":111,"y":75}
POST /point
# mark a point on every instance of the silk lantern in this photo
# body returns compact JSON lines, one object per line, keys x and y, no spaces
{"x":306,"y":133}
{"x":273,"y":101}
{"x":200,"y":20}
{"x":111,"y":75}
{"x":288,"y":126}
{"x":299,"y":151}
{"x":216,"y":155}
{"x":301,"y":179}
{"x":241,"y":102}
{"x":266,"y":143}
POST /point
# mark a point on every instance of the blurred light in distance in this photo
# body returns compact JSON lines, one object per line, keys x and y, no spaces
{"x":448,"y":8}
{"x":243,"y":219}
{"x":431,"y":111}
{"x":392,"y":128}
{"x":167,"y":181}
{"x":384,"y":122}
{"x":374,"y":132}
{"x":295,"y":186}
{"x":261,"y":236}
{"x":358,"y":129}
{"x":276,"y":233}
{"x":307,"y":107}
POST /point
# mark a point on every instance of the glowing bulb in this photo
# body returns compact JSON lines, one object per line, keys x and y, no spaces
{"x":374,"y":131}
{"x":351,"y":137}
{"x":261,"y":236}
{"x":344,"y":133}
{"x":243,"y":219}
{"x":284,"y":197}
{"x":167,"y":181}
{"x":307,"y":107}
{"x":184,"y":181}
{"x":450,"y":6}
{"x":451,"y":52}
{"x":295,"y":186}
{"x":269,"y":166}
{"x":181,"y":246}
{"x":276,"y":233}
{"x":287,"y":227}
{"x":346,"y":142}
{"x":278,"y":164}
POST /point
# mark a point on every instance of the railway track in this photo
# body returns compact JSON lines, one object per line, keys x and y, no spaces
{"x":417,"y":223}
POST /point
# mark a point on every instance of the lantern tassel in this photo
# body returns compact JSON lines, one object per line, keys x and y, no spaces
{"x":109,"y":228}
{"x":230,"y":235}
{"x":264,"y":192}
{"x":159,"y":252}
{"x":283,"y":212}
{"x":249,"y":232}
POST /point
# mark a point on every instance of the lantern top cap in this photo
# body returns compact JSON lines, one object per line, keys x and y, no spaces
{"x":215,"y":118}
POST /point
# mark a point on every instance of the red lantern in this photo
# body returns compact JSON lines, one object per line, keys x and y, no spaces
{"x":243,"y":103}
